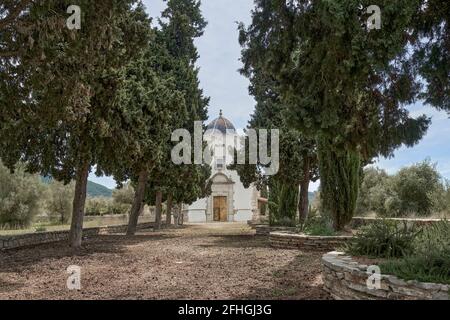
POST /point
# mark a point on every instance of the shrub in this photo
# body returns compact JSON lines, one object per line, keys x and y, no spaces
{"x":374,"y":191}
{"x":20,"y":198}
{"x":430,"y":261}
{"x":122,"y":200}
{"x":383,"y":239}
{"x":124,"y":195}
{"x":98,"y":206}
{"x":319,"y":225}
{"x":59,"y":202}
{"x":119,"y":208}
{"x":416,"y":187}
{"x":414,"y":190}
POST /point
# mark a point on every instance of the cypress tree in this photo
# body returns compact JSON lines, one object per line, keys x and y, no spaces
{"x":65,"y":79}
{"x":344,"y":85}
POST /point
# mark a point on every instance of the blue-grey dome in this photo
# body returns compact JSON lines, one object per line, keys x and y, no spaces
{"x":221,"y":124}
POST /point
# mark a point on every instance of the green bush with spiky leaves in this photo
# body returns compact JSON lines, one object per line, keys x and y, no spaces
{"x":384,"y":239}
{"x":430,"y":260}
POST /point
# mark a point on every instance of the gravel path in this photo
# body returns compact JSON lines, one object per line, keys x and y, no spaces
{"x":212,"y":261}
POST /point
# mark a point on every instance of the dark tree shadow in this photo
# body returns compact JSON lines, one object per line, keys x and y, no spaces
{"x":18,"y":259}
{"x":237,"y":241}
{"x":297,"y":280}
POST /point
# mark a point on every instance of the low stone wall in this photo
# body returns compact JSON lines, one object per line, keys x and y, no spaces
{"x":31,"y":239}
{"x":358,"y":222}
{"x":265,"y":230}
{"x":285,"y":240}
{"x":346,"y":279}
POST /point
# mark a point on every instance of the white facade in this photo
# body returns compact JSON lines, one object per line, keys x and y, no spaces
{"x":229,"y":201}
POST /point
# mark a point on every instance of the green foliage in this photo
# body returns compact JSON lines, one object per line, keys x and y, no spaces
{"x":20,"y":196}
{"x":59,"y":201}
{"x":40,"y":229}
{"x":383,"y":239}
{"x":124,"y":195}
{"x":430,"y":261}
{"x":282,"y":203}
{"x":101,"y":206}
{"x":98,"y":206}
{"x":61,"y":86}
{"x":373,"y":191}
{"x":340,"y":83}
{"x":415,"y":187}
{"x":319,"y":225}
{"x":182,"y":23}
{"x":415,"y":190}
{"x":339,"y":188}
{"x":432,"y":51}
{"x":122,"y":200}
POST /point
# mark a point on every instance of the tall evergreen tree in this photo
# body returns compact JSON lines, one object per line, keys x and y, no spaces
{"x":432,"y":51}
{"x":149,"y":108}
{"x":67,"y":78}
{"x":345,"y":86}
{"x":182,"y":22}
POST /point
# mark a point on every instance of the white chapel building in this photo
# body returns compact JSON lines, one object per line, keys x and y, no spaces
{"x":229,"y":200}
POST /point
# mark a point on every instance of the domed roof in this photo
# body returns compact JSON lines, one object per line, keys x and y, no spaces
{"x":221,"y":124}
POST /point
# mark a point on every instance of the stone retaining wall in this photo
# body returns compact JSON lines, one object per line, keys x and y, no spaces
{"x":265,"y":230}
{"x":358,"y":222}
{"x":31,"y":239}
{"x":285,"y":240}
{"x":346,"y":279}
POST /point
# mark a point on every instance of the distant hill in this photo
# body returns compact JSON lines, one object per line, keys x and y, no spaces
{"x":93,"y":189}
{"x":311,"y":196}
{"x":97,"y":190}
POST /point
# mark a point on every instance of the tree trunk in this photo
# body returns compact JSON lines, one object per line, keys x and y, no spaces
{"x":138,"y":203}
{"x":158,"y":210}
{"x":79,"y":201}
{"x":177,"y":219}
{"x":303,"y":203}
{"x":169,"y":211}
{"x":179,"y":215}
{"x":339,"y":182}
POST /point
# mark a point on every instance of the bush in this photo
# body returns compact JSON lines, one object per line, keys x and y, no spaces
{"x":319,"y":225}
{"x":59,"y":202}
{"x":383,"y":239}
{"x":119,"y":208}
{"x":122,"y":200}
{"x":416,"y":187}
{"x":98,"y":206}
{"x":374,"y":191}
{"x":430,"y":261}
{"x":124,"y":195}
{"x":414,"y":190}
{"x":20,"y":198}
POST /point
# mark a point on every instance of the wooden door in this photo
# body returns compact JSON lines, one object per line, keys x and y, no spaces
{"x":220,"y":209}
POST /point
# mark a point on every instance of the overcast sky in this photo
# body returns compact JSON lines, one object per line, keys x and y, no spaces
{"x":219,"y":63}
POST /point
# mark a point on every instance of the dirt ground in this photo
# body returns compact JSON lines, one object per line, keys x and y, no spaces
{"x":212,"y":261}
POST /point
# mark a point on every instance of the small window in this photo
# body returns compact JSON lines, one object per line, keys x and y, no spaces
{"x":220,"y":164}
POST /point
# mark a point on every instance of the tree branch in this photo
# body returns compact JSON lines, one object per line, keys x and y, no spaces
{"x":14,"y":13}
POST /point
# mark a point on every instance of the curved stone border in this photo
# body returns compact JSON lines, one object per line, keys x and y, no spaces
{"x":286,"y":240}
{"x":31,"y":239}
{"x":265,"y":230}
{"x":346,"y":279}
